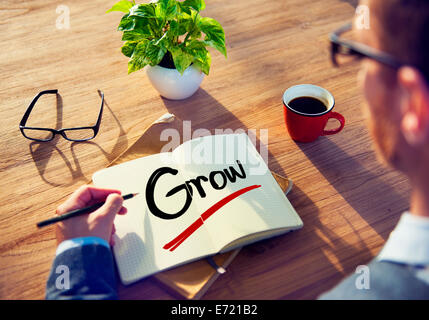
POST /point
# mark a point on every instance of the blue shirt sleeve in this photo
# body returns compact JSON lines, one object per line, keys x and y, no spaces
{"x":83,"y":268}
{"x":77,"y":242}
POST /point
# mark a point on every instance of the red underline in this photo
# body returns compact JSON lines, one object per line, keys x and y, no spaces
{"x":172,"y":245}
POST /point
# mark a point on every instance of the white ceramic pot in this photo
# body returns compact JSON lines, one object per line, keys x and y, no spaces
{"x":172,"y":85}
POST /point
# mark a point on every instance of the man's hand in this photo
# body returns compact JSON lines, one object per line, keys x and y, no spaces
{"x":96,"y":224}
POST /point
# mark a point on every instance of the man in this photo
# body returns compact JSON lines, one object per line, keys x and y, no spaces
{"x":398,"y":104}
{"x":397,"y":96}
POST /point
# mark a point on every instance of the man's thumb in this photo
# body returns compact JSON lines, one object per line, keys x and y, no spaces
{"x":111,"y":206}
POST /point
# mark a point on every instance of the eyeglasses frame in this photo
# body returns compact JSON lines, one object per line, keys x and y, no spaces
{"x":62,"y":131}
{"x":350,"y":47}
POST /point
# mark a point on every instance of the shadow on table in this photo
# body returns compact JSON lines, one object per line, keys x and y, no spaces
{"x":204,"y":111}
{"x":353,"y":3}
{"x":43,"y":152}
{"x":361,"y":188}
{"x":315,"y":251}
{"x":323,"y":247}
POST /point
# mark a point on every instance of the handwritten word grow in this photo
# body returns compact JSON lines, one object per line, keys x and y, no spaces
{"x":216,"y":180}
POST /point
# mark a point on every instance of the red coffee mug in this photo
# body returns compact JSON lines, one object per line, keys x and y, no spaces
{"x":304,"y":127}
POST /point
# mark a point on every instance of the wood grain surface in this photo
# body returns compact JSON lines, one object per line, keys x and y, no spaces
{"x":348,"y":202}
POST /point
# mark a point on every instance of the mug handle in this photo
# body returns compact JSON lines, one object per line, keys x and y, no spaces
{"x":340,"y":118}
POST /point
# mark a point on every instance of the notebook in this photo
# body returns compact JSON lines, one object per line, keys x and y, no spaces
{"x":211,"y":194}
{"x":191,"y":280}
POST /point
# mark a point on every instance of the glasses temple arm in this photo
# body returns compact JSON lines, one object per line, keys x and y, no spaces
{"x":101,"y":94}
{"x":33,"y":102}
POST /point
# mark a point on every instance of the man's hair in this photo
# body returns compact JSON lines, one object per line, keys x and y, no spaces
{"x":405,"y":31}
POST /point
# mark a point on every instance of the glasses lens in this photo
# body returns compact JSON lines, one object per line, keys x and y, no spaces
{"x":344,"y":54}
{"x":79,"y":134}
{"x":345,"y":57}
{"x":38,"y":134}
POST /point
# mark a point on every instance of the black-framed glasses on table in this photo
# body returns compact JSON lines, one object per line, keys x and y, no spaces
{"x":344,"y":51}
{"x":47,"y":134}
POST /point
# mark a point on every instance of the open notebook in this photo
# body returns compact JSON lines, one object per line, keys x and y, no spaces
{"x":210,"y":195}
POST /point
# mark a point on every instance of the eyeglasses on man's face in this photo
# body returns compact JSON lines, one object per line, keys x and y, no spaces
{"x":344,"y":51}
{"x":47,"y":134}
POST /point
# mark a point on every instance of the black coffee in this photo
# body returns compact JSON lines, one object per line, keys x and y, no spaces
{"x":307,"y":105}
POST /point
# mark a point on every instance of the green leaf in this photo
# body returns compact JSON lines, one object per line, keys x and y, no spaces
{"x":122,"y":6}
{"x":134,"y":35}
{"x":195,"y":31}
{"x":204,"y":66}
{"x":178,"y":29}
{"x":145,"y":10}
{"x":198,"y":5}
{"x":183,"y":9}
{"x":154,"y":53}
{"x":197,"y":49}
{"x":202,"y":58}
{"x":140,"y":31}
{"x":182,"y":24}
{"x":146,"y":17}
{"x":138,"y":59}
{"x":166,"y":9}
{"x":214,"y":44}
{"x":215,"y":36}
{"x":164,"y":41}
{"x":126,"y":23}
{"x":195,"y":34}
{"x":182,"y":60}
{"x":128,"y":48}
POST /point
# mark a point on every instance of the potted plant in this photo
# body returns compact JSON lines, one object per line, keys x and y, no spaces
{"x":171,"y":38}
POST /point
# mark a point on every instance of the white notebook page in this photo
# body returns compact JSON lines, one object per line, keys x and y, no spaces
{"x":260,"y":209}
{"x":140,"y":236}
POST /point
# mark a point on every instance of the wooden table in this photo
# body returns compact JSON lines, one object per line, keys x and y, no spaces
{"x":348,"y":201}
